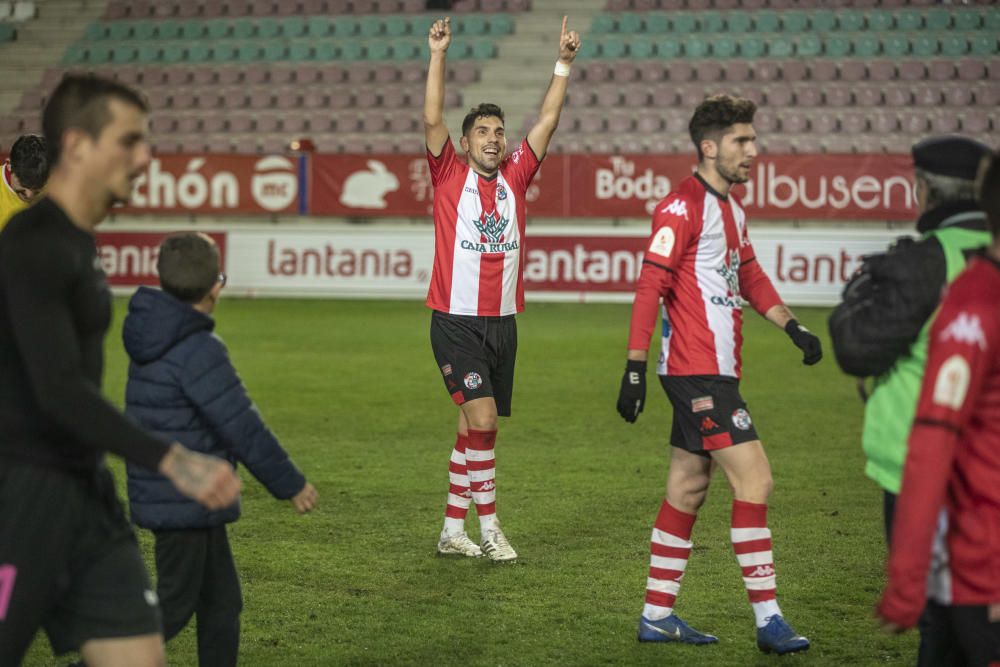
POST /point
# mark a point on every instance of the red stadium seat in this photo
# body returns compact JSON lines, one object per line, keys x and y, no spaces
{"x":230,"y":76}
{"x":779,"y":96}
{"x":806,"y":143}
{"x":241,"y":123}
{"x":794,"y":122}
{"x":884,"y":122}
{"x":897,"y":95}
{"x":608,"y":96}
{"x":311,"y":99}
{"x":820,"y":70}
{"x":838,"y":95}
{"x":766,"y":120}
{"x":182,"y":99}
{"x":959,"y":96}
{"x":679,"y":71}
{"x":941,"y":70}
{"x":808,"y":95}
{"x":915,"y":121}
{"x":927,"y":96}
{"x":987,"y":95}
{"x":853,"y":70}
{"x":269,"y":123}
{"x":971,"y":70}
{"x":824,"y":122}
{"x":975,"y":121}
{"x":648,"y":123}
{"x":945,"y":122}
{"x":636,"y":97}
{"x":766,"y":71}
{"x":213,"y":123}
{"x":664,"y":97}
{"x":881,"y":70}
{"x":619,"y":123}
{"x":854,"y":122}
{"x":838,"y":143}
{"x":738,"y":71}
{"x":624,"y":72}
{"x":708,"y":71}
{"x":868,"y":95}
{"x":911,"y":70}
{"x":161,"y":124}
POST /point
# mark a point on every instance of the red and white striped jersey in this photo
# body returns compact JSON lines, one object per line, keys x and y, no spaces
{"x":479,"y":234}
{"x":700,"y":237}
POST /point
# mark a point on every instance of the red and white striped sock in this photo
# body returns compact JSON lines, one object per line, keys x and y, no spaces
{"x":459,"y":497}
{"x":752,"y":544}
{"x":670,"y":547}
{"x":482,"y":475}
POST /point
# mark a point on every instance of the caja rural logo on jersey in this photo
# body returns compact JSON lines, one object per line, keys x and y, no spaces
{"x":492,"y":228}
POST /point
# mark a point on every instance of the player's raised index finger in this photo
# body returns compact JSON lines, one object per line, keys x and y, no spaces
{"x":564,"y":26}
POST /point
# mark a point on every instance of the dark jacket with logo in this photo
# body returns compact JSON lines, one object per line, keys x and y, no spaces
{"x":183,"y":387}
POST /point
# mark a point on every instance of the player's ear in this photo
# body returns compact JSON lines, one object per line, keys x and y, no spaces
{"x":709,"y":148}
{"x":464,"y":143}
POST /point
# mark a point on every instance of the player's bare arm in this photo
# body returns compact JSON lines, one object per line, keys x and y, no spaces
{"x":207,"y":479}
{"x":435,"y":131}
{"x":548,"y":118}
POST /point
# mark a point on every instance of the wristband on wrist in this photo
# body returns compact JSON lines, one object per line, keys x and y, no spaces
{"x":562,"y":69}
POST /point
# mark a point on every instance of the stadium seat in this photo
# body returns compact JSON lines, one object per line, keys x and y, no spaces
{"x":984,"y":45}
{"x":794,"y":23}
{"x":854,"y":122}
{"x":928,"y":46}
{"x":809,"y":46}
{"x":766,"y":21}
{"x":945,"y":123}
{"x":630,"y":23}
{"x":668,"y":48}
{"x":849,"y":20}
{"x":909,"y":20}
{"x":657,"y":23}
{"x":967,"y":19}
{"x":868,"y":95}
{"x":725,"y":47}
{"x":838,"y":96}
{"x":293,"y":27}
{"x":641,"y":47}
{"x":739,"y":23}
{"x":881,"y":70}
{"x":752,"y":47}
{"x":911,"y":70}
{"x":823,"y":21}
{"x":820,"y":70}
{"x":880,"y":21}
{"x":95,"y":32}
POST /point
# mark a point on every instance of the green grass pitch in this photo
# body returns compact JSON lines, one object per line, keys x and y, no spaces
{"x":352,"y":391}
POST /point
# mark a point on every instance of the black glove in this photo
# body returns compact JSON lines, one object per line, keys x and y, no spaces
{"x":806,"y":341}
{"x":632,"y":395}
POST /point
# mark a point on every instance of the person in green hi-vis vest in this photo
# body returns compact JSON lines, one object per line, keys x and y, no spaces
{"x":880,"y":330}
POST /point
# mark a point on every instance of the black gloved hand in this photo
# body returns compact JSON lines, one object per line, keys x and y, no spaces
{"x":805,"y":340}
{"x":632,"y":394}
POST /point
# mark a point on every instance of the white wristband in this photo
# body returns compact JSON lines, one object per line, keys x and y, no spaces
{"x":562,"y":69}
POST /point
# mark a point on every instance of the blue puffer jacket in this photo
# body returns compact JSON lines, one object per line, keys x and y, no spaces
{"x":182,"y":386}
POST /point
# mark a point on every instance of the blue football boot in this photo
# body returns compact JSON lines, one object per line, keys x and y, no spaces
{"x":671,"y":629}
{"x":778,"y":637}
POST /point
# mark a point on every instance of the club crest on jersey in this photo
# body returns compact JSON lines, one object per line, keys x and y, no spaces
{"x":501,"y":192}
{"x":741,"y":419}
{"x":473,"y":381}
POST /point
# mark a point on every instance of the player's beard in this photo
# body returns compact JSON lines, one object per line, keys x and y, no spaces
{"x":732,"y":175}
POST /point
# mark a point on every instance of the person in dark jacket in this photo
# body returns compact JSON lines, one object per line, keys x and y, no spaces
{"x":182,"y":386}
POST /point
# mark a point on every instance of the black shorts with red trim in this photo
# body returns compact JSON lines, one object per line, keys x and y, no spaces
{"x":476,"y":357}
{"x":69,"y":562}
{"x":709,"y":413}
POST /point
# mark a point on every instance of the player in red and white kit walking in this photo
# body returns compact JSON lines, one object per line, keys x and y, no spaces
{"x":948,"y":511}
{"x":477,"y":284}
{"x":701,"y":263}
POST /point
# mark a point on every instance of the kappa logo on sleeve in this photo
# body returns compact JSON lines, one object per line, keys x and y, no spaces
{"x":663,"y":242}
{"x":677,"y":207}
{"x":952,"y":382}
{"x":965,"y":329}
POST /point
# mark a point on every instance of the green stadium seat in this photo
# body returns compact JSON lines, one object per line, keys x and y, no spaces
{"x":849,"y":20}
{"x":275,"y":51}
{"x":752,"y":47}
{"x":630,"y":23}
{"x":192,"y":30}
{"x":880,"y":21}
{"x":144,"y":31}
{"x":603,"y":23}
{"x":122,"y":54}
{"x":326,"y":51}
{"x":794,"y":23}
{"x":590,"y":48}
{"x":379,"y":50}
{"x":668,"y":47}
{"x":991,"y":21}
{"x":766,"y":21}
{"x":460,"y":48}
{"x":837,"y":47}
{"x":318,"y":26}
{"x":938,"y":19}
{"x":119,"y":30}
{"x":300,"y":52}
{"x":148,"y":54}
{"x":696,"y":46}
{"x":780,"y":47}
{"x":711,"y":22}
{"x":406,"y":51}
{"x":243,"y":29}
{"x":725,"y":47}
{"x":823,"y":21}
{"x":657,"y":23}
{"x":809,"y":45}
{"x":293,"y":27}
{"x":684,"y":24}
{"x":483,"y":50}
{"x":967,"y":19}
{"x":371,"y":26}
{"x":909,"y":20}
{"x":269,"y":29}
{"x":345,"y":26}
{"x":199,"y":53}
{"x":421,"y":25}
{"x":7,"y":32}
{"x":396,"y":26}
{"x":984,"y":45}
{"x":472,"y":25}
{"x":167,"y":29}
{"x":613,"y":47}
{"x":352,"y":51}
{"x":501,"y":24}
{"x":172,"y":53}
{"x":216,"y":30}
{"x":953,"y":46}
{"x":224,"y":52}
{"x":99,"y":54}
{"x":739,"y":23}
{"x":896,"y":46}
{"x":867,"y":46}
{"x":641,"y":46}
{"x":95,"y":32}
{"x":75,"y":54}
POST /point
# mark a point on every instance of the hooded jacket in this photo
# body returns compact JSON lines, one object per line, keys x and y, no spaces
{"x":183,"y":387}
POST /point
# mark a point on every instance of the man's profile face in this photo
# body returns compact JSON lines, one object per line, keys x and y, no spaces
{"x":485,"y":144}
{"x":735,"y":153}
{"x":25,"y":194}
{"x":120,"y":153}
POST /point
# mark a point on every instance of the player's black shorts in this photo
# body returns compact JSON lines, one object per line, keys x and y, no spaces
{"x":958,"y":635}
{"x":69,"y":562}
{"x":476,"y":356}
{"x":709,"y":413}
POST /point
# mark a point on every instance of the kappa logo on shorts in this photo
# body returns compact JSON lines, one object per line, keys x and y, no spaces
{"x":741,"y":419}
{"x":473,"y":381}
{"x":702,"y":404}
{"x":708,"y":424}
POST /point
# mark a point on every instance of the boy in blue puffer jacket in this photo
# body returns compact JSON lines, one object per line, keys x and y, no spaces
{"x":183,"y":387}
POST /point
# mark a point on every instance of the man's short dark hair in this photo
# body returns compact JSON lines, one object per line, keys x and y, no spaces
{"x":29,"y":161}
{"x":484,"y":110}
{"x":717,"y":114}
{"x":989,"y":192}
{"x":188,"y":266}
{"x":81,"y":101}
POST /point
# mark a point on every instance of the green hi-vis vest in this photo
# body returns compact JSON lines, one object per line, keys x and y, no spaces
{"x":890,"y":409}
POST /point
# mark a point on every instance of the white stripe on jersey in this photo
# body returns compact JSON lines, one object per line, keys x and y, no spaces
{"x":512,"y":260}
{"x":465,"y":265}
{"x":712,"y":250}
